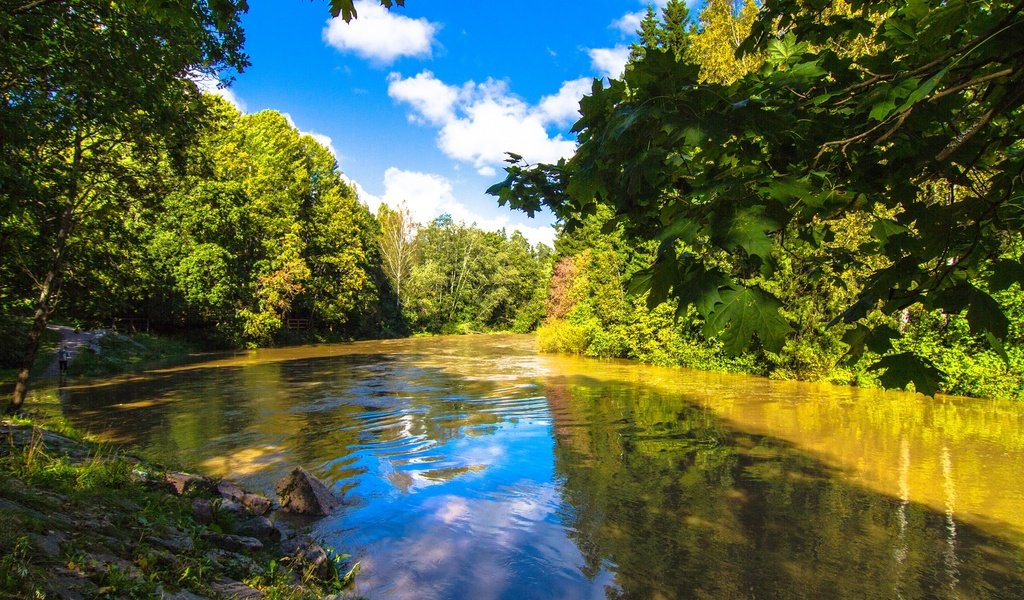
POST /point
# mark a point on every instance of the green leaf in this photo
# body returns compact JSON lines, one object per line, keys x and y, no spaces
{"x":877,"y":339}
{"x":904,"y":368}
{"x":1005,"y":273}
{"x":986,"y":316}
{"x":785,"y":50}
{"x":747,"y":229}
{"x":683,"y":228}
{"x":923,"y":90}
{"x":893,"y":94}
{"x":883,"y":229}
{"x":663,"y":276}
{"x":700,"y":287}
{"x":743,"y":313}
{"x":997,"y":346}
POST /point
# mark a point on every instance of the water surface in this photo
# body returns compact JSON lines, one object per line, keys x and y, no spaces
{"x":474,"y":468}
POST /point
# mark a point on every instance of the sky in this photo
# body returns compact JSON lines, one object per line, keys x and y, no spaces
{"x":419,"y":104}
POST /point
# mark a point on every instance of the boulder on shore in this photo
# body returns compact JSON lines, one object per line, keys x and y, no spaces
{"x":302,"y":493}
{"x":254,"y":503}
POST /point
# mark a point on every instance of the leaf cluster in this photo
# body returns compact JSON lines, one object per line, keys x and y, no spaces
{"x":918,"y":132}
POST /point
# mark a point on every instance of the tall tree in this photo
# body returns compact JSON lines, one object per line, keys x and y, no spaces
{"x":397,"y":248}
{"x":724,"y":24}
{"x":92,"y":90}
{"x":670,"y":33}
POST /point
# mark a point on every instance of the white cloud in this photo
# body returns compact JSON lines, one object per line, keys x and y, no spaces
{"x":323,"y":139}
{"x":629,"y":23}
{"x":563,"y":108}
{"x":433,"y":100}
{"x":428,"y":196}
{"x":609,"y":62}
{"x":211,"y":85}
{"x":381,"y":36}
{"x":479,"y":122}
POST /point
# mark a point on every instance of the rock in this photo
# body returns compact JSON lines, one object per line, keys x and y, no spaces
{"x":254,"y":503}
{"x":229,"y":506}
{"x":300,"y":492}
{"x":48,"y":545}
{"x":202,"y":510}
{"x":230,"y":490}
{"x":260,"y":528}
{"x":234,"y":543}
{"x":66,"y":584}
{"x":307,"y":554}
{"x":229,"y":588}
{"x":187,"y":483}
{"x":175,"y":540}
{"x":233,"y":561}
{"x":178,"y":595}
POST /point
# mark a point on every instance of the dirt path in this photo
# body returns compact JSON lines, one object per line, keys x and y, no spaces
{"x":75,"y":342}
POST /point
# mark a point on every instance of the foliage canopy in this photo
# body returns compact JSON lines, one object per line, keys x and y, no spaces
{"x":904,"y":114}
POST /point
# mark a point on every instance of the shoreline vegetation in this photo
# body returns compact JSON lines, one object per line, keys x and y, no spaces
{"x":84,"y":520}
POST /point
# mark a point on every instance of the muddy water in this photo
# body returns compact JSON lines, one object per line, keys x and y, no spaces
{"x":474,"y":468}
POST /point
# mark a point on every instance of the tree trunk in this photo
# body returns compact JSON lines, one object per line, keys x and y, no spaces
{"x":44,"y":307}
{"x":51,"y":284}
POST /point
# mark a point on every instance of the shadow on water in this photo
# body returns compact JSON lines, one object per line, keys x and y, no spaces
{"x":474,"y":468}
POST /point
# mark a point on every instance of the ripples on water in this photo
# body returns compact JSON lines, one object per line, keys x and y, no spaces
{"x":473,"y":468}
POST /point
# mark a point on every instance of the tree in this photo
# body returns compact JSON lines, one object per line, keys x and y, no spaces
{"x":262,"y":228}
{"x":671,"y":33}
{"x":397,"y":248}
{"x":723,"y":27}
{"x":93,"y":92}
{"x":783,"y":155}
{"x":347,"y":10}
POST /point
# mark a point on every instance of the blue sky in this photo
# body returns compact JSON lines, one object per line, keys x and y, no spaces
{"x":420,"y":103}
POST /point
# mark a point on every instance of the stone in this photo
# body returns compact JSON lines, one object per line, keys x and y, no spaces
{"x":234,"y":543}
{"x":233,"y":562}
{"x":237,"y":590}
{"x":254,"y":503}
{"x":202,"y":511}
{"x":178,"y":595}
{"x":229,"y":506}
{"x":48,"y":545}
{"x":302,"y":493}
{"x":66,"y":584}
{"x":187,"y":483}
{"x":260,"y":528}
{"x":307,"y":554}
{"x":174,"y":540}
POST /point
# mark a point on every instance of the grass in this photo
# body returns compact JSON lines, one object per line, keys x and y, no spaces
{"x":101,"y":506}
{"x":121,"y":354}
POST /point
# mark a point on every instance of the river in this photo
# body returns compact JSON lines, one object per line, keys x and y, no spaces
{"x":472,"y":467}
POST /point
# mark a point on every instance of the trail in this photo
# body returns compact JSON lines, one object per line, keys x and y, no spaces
{"x":75,"y":341}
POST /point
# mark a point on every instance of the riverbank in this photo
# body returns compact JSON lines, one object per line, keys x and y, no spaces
{"x":81,"y":520}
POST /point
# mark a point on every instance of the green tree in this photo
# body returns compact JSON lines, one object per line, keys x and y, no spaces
{"x":264,"y":228}
{"x":782,"y":156}
{"x":670,"y":33}
{"x":92,"y":91}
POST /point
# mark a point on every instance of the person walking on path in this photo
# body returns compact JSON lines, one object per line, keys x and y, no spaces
{"x":62,"y":358}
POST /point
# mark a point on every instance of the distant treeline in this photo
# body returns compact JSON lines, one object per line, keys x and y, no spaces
{"x":254,"y":238}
